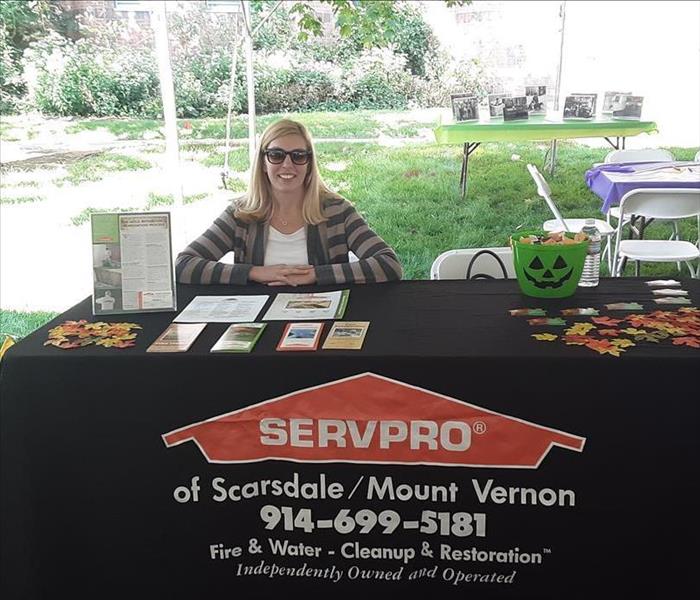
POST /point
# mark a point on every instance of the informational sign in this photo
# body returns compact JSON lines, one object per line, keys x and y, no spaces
{"x":132,"y":263}
{"x":326,"y":524}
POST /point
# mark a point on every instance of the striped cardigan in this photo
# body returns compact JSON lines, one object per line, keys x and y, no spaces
{"x":327,"y":243}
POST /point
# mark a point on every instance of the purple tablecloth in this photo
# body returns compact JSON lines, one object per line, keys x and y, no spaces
{"x":601,"y":179}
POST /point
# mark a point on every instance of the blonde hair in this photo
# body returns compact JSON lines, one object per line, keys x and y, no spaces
{"x":257,"y":204}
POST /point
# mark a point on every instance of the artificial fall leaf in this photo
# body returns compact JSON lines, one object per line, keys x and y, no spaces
{"x":689,"y":309}
{"x":670,"y":329}
{"x":606,"y":321}
{"x":692,"y":341}
{"x":74,"y":334}
{"x":622,"y":343}
{"x":576,"y":340}
{"x":609,"y":332}
{"x":580,"y":329}
{"x":579,"y":311}
{"x":647,"y":337}
{"x":637,"y":320}
{"x":546,"y":321}
{"x":604,"y":347}
{"x":545,"y":337}
{"x":633,"y":331}
{"x":123,"y":344}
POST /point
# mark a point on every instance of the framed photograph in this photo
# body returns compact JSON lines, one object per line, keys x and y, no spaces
{"x":536,"y":99}
{"x":632,"y":108}
{"x":465,"y":107}
{"x":515,"y":109}
{"x":613,"y":101}
{"x":580,"y":106}
{"x":496,"y":105}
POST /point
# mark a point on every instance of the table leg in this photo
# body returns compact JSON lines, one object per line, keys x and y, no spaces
{"x":463,"y":174}
{"x":616,"y":143}
{"x":551,"y":162}
{"x":639,"y":230}
{"x":469,"y":147}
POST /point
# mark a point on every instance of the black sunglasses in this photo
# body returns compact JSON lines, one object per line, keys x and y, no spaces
{"x":276,"y":156}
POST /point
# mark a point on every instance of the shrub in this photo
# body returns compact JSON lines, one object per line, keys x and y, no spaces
{"x":378,"y":80}
{"x":12,"y":87}
{"x":80,"y":79}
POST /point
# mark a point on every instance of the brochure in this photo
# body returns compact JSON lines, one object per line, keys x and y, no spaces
{"x":178,"y":337}
{"x":300,"y":336}
{"x":240,"y":337}
{"x":300,"y":307}
{"x":222,"y":309}
{"x":132,"y":267}
{"x":346,"y":335}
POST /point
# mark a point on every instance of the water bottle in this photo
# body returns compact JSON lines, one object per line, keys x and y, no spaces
{"x":591,"y":268}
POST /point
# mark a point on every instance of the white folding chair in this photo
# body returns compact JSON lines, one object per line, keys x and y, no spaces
{"x":454,"y":264}
{"x":558,"y":223}
{"x":643,"y":155}
{"x":660,"y":203}
{"x":634,"y":156}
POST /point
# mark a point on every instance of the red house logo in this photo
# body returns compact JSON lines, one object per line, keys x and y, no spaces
{"x":372,"y":419}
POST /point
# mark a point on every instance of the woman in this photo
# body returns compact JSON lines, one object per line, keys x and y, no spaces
{"x":290,"y":229}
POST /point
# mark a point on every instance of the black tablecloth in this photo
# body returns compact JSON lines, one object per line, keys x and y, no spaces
{"x":88,"y":484}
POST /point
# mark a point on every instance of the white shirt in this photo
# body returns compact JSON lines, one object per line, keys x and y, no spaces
{"x":286,"y":248}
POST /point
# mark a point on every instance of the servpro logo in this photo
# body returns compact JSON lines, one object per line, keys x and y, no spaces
{"x":372,"y":419}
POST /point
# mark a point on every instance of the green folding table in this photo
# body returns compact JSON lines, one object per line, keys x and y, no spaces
{"x":539,"y":128}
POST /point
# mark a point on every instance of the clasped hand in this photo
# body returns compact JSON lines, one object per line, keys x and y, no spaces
{"x":283,"y":275}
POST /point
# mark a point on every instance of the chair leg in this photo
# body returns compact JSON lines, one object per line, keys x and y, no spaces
{"x":694,"y":272}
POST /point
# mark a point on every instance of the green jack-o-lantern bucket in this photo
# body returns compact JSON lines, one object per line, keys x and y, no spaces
{"x":548,"y":270}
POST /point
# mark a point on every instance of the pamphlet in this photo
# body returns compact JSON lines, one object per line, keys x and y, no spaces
{"x":300,"y":336}
{"x":346,"y":335}
{"x":240,"y":337}
{"x":300,"y":307}
{"x":132,"y":263}
{"x":222,"y":309}
{"x":178,"y":337}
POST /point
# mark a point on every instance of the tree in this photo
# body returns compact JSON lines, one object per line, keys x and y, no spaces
{"x":21,"y":23}
{"x":372,"y":23}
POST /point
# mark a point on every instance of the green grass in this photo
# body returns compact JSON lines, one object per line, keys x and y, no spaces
{"x":4,"y":199}
{"x":127,"y":129}
{"x":84,"y":215}
{"x":168,"y":199}
{"x":356,"y":124}
{"x":5,"y":135}
{"x":20,"y":324}
{"x":94,"y":168}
